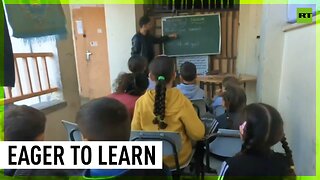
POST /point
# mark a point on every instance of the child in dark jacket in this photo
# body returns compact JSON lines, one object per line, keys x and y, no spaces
{"x":262,"y":127}
{"x":234,"y":100}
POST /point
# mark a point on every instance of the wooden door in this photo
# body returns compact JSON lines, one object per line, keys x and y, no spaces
{"x":91,"y":51}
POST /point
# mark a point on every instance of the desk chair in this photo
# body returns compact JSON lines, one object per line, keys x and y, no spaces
{"x":131,"y":174}
{"x":171,"y":145}
{"x":197,"y":109}
{"x":222,"y":145}
{"x":200,"y":105}
{"x":73,"y":131}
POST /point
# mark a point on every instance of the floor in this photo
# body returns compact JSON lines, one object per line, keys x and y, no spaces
{"x":214,"y":164}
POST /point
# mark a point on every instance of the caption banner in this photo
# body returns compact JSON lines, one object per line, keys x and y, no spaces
{"x":80,"y":155}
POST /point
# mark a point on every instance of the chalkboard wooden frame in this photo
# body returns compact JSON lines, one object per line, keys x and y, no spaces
{"x":197,"y":54}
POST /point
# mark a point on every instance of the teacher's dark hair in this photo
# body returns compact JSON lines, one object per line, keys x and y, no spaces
{"x":144,"y":20}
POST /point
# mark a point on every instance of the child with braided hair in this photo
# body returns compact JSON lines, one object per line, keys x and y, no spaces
{"x":262,"y":128}
{"x":167,"y":109}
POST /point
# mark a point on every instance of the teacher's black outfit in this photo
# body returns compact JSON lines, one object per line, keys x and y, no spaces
{"x":142,"y":45}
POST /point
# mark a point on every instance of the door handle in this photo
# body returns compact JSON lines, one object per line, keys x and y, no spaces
{"x":88,"y":54}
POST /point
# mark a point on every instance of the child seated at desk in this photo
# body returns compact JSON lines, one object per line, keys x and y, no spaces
{"x":139,"y":64}
{"x":262,"y":127}
{"x":234,"y":100}
{"x":167,"y":109}
{"x":24,"y":123}
{"x":217,"y":105}
{"x":188,"y":86}
{"x":106,"y":119}
{"x":128,"y":88}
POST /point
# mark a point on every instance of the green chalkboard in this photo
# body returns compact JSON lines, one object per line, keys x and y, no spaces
{"x":197,"y":35}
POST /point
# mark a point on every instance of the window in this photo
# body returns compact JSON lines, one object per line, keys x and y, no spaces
{"x":37,"y":72}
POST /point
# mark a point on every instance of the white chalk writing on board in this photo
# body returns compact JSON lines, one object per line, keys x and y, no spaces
{"x":201,"y":63}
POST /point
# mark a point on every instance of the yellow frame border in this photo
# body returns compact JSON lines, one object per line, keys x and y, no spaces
{"x":142,"y":1}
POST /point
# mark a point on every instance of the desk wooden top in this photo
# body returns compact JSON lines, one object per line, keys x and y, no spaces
{"x":217,"y":79}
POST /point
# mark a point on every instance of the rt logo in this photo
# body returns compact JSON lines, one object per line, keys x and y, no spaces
{"x":304,"y":15}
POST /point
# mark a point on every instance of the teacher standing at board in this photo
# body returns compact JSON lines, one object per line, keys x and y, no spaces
{"x":143,"y":41}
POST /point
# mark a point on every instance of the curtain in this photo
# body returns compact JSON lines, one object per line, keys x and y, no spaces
{"x":32,"y":21}
{"x":9,"y":73}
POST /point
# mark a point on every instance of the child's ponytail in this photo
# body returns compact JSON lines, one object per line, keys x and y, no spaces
{"x":162,"y":69}
{"x":235,"y":100}
{"x":288,"y":152}
{"x":159,"y":103}
{"x":229,"y":119}
{"x":263,"y":129}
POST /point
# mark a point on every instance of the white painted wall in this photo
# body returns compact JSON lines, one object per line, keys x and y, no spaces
{"x":121,"y":26}
{"x":248,"y":45}
{"x":274,"y":18}
{"x":139,"y":13}
{"x":249,"y":29}
{"x":297,"y":97}
{"x":284,"y":63}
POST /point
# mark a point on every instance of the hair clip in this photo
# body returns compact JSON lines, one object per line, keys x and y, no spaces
{"x":161,"y":78}
{"x":242,"y":128}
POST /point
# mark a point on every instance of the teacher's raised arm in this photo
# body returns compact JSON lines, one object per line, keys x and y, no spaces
{"x":143,"y":42}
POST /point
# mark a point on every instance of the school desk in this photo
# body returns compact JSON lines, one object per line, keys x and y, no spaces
{"x":209,"y":82}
